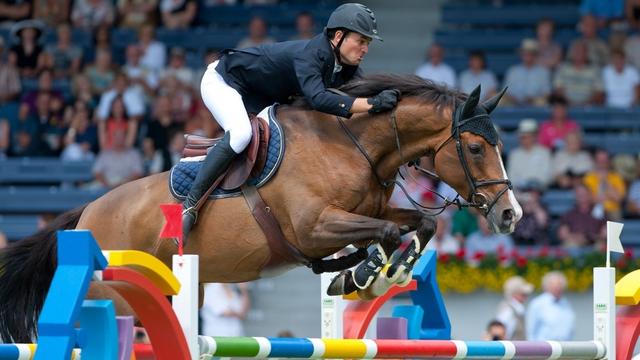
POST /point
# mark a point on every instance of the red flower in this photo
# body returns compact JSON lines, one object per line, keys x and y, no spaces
{"x":521,"y":261}
{"x":461,"y":253}
{"x":628,"y":253}
{"x":478,"y":255}
{"x":444,"y":258}
{"x":622,"y":262}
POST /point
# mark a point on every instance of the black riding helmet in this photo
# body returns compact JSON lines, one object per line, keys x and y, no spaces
{"x":352,"y":17}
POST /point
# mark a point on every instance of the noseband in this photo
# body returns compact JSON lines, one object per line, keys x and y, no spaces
{"x":476,"y":198}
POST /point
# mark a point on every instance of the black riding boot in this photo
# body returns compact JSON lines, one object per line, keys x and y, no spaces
{"x":215,"y":163}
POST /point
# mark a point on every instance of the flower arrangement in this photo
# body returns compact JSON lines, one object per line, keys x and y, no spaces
{"x":465,"y":274}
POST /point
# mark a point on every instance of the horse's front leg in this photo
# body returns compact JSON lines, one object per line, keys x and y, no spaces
{"x":339,"y":228}
{"x":400,"y":270}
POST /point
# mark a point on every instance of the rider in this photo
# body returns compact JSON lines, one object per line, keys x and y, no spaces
{"x":254,"y":78}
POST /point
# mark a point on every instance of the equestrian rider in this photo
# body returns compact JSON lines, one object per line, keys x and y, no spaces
{"x":248,"y":80}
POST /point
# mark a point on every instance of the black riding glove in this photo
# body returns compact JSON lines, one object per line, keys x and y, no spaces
{"x":384,"y":101}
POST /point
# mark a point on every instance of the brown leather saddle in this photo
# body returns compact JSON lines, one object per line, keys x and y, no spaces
{"x":250,"y":163}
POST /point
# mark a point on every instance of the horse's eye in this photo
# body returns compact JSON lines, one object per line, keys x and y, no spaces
{"x":475,"y":149}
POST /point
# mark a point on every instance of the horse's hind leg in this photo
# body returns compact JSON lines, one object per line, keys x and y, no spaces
{"x":339,"y":228}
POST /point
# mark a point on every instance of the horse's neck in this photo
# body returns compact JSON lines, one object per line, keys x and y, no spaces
{"x":420,"y":128}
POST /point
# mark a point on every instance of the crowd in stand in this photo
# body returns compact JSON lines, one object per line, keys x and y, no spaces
{"x":550,"y":153}
{"x":130,"y":117}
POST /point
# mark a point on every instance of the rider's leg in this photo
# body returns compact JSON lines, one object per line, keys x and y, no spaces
{"x":225,"y":103}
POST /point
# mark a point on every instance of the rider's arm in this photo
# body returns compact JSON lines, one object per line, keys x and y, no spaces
{"x":308,"y":66}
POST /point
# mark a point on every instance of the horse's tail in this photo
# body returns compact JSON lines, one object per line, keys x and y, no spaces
{"x":26,"y":270}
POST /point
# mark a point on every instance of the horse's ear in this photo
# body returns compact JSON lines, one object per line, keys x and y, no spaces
{"x":492,"y":103}
{"x":469,"y":107}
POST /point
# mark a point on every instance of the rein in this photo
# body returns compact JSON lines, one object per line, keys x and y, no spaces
{"x":477,"y":199}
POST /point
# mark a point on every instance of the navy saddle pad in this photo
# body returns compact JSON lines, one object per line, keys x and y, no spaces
{"x":183,"y":174}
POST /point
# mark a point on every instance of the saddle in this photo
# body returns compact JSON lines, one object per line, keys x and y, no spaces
{"x":248,"y":164}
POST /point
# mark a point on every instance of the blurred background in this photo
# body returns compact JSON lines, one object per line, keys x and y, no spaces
{"x":95,"y":93}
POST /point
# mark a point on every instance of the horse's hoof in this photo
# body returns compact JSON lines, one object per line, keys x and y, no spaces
{"x":342,"y":284}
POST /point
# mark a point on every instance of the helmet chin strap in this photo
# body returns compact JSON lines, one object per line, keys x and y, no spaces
{"x":336,"y":49}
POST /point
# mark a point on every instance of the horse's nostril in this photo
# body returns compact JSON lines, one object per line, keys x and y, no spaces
{"x":507,"y":215}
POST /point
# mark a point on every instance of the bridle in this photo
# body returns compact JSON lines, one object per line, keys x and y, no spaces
{"x":476,"y":199}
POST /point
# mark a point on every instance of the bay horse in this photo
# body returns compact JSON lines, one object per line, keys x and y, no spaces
{"x":331,"y":191}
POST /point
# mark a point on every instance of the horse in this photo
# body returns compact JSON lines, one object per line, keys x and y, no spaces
{"x":331,"y":191}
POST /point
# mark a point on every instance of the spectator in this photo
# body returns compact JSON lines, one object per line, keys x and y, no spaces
{"x":603,"y":10}
{"x":606,"y":186}
{"x":633,"y":199}
{"x":5,"y":136}
{"x":154,"y":53}
{"x":151,"y":157}
{"x":485,"y":241}
{"x":10,"y":85}
{"x":578,"y":81}
{"x":81,"y":140}
{"x":132,"y":107}
{"x":632,"y":13}
{"x":530,"y":162}
{"x":478,"y":74}
{"x":178,"y":68}
{"x":549,"y":51}
{"x":101,"y":73}
{"x":571,"y":163}
{"x":25,"y":55}
{"x":146,"y":80}
{"x":45,"y":86}
{"x":162,"y":124}
{"x":182,"y":99}
{"x":136,"y":13}
{"x":621,"y":82}
{"x":49,"y":110}
{"x":511,"y":310}
{"x":178,"y":14}
{"x":549,"y":315}
{"x":442,"y":241}
{"x":258,"y":30}
{"x":305,"y":26}
{"x":25,"y":133}
{"x":224,"y":308}
{"x":12,"y":11}
{"x":92,"y":13}
{"x":597,"y":49}
{"x":495,"y":331}
{"x":435,"y":69}
{"x":532,"y":228}
{"x":578,"y":228}
{"x":529,"y":83}
{"x":102,"y":38}
{"x":81,"y":90}
{"x":117,"y":165}
{"x":63,"y":57}
{"x":553,"y":131}
{"x":52,"y":12}
{"x":626,"y":166}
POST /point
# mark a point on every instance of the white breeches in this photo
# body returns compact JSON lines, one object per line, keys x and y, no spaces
{"x":225,"y":103}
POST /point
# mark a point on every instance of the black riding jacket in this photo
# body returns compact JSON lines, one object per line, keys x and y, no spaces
{"x":277,"y":72}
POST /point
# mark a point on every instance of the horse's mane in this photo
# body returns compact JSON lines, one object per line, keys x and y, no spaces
{"x":409,"y":85}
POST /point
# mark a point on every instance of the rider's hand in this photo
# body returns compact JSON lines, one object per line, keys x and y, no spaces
{"x":384,"y":101}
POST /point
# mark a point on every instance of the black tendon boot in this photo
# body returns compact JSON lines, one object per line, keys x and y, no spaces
{"x":217,"y":161}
